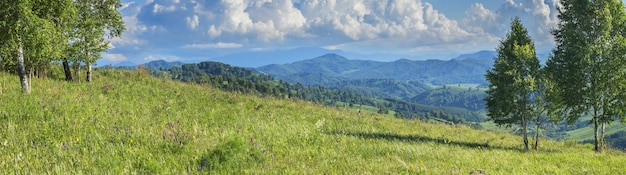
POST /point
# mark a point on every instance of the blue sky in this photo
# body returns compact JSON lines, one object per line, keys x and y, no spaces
{"x":183,"y":30}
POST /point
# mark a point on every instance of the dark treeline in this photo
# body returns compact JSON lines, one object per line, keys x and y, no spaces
{"x":230,"y":78}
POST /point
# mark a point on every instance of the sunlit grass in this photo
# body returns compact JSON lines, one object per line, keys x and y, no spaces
{"x":128,"y":122}
{"x":586,"y":133}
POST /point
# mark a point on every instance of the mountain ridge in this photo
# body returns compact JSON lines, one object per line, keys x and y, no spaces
{"x":436,"y":72}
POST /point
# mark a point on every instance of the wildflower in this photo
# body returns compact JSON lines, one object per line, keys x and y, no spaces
{"x":77,"y":139}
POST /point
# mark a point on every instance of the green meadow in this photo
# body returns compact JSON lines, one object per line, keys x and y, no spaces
{"x":127,"y":122}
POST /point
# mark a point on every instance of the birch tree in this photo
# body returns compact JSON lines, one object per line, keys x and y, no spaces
{"x":589,"y":62}
{"x":27,"y":35}
{"x":98,"y":21}
{"x":512,"y":80}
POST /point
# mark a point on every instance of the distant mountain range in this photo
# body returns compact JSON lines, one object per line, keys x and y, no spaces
{"x":463,"y":70}
{"x":261,"y":58}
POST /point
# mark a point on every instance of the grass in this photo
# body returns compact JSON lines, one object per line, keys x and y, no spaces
{"x":491,"y":126}
{"x":586,"y":133}
{"x":126,"y":122}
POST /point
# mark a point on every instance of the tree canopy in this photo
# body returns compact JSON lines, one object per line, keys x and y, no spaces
{"x":512,"y":79}
{"x":589,"y":62}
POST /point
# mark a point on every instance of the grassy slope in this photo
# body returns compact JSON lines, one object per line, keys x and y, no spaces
{"x":127,"y":122}
{"x":586,"y":133}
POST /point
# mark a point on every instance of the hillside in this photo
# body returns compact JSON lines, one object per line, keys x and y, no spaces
{"x":127,"y":122}
{"x":359,"y":93}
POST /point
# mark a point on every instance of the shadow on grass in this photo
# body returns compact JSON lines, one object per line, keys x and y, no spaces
{"x":420,"y":138}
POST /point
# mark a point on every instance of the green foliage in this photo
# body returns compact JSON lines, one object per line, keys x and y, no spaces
{"x":588,"y":62}
{"x":513,"y":80}
{"x":29,"y":37}
{"x":383,"y":110}
{"x":116,"y":125}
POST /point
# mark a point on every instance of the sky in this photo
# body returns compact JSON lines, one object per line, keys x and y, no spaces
{"x":184,"y":30}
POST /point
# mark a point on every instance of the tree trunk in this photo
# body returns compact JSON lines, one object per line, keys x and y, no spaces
{"x":536,"y":147}
{"x":88,"y":78}
{"x":602,"y":141}
{"x":88,"y":72}
{"x":22,"y":67}
{"x":77,"y":65}
{"x":596,"y":141}
{"x":30,"y":76}
{"x":525,"y":130}
{"x":68,"y":71}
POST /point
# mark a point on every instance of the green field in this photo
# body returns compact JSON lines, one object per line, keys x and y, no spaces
{"x":586,"y":133}
{"x":126,"y":122}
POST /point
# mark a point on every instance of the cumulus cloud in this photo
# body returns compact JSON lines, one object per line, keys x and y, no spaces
{"x":193,"y":22}
{"x":219,"y":45}
{"x":538,"y":16}
{"x":313,"y":21}
{"x":155,"y":27}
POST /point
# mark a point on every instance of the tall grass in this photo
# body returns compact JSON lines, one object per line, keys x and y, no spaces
{"x":127,"y":122}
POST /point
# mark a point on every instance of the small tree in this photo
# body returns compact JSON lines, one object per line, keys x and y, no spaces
{"x":383,"y":110}
{"x":98,"y":20}
{"x":513,"y":80}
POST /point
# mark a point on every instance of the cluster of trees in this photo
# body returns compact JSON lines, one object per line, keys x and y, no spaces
{"x":229,"y":78}
{"x":585,"y":74}
{"x":38,"y":33}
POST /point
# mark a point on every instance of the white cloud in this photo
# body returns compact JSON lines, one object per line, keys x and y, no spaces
{"x":218,"y":45}
{"x":160,"y":8}
{"x":538,"y":16}
{"x":114,"y":57}
{"x":193,"y":22}
{"x":160,"y":27}
{"x":481,"y":20}
{"x":258,"y":20}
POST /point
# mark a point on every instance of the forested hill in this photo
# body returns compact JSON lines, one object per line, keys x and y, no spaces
{"x":436,"y":72}
{"x":161,"y":64}
{"x":471,"y":98}
{"x":231,"y":78}
{"x":377,"y":88}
